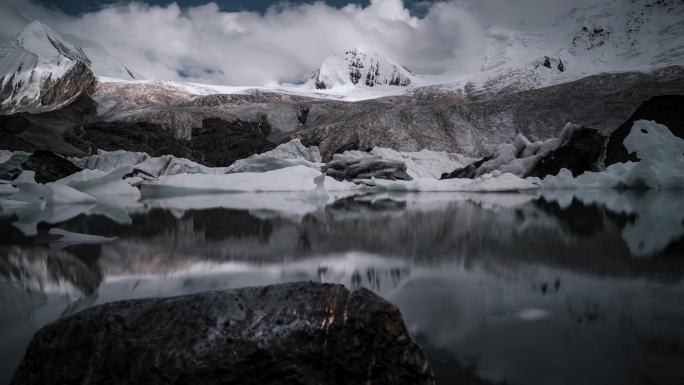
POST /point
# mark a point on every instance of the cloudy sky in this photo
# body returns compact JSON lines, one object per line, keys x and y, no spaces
{"x":258,"y":42}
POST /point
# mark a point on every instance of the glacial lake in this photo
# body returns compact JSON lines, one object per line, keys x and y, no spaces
{"x":560,"y":287}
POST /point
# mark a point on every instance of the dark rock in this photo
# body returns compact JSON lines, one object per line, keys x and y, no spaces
{"x":349,"y":168}
{"x":469,"y":171}
{"x":581,"y":152}
{"x":78,"y":79}
{"x":220,"y":143}
{"x":667,"y":110}
{"x":45,"y":131}
{"x":216,"y":143}
{"x":131,"y":136}
{"x":49,"y":166}
{"x":12,"y":167}
{"x":298,"y":333}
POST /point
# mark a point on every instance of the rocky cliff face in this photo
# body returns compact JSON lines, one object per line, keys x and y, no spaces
{"x":475,"y":126}
{"x":360,"y":68}
{"x":40,"y":71}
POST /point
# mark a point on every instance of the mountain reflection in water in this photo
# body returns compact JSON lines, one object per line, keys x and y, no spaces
{"x":557,"y":287}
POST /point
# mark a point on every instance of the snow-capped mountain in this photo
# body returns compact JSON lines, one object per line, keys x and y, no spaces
{"x":41,"y":71}
{"x":614,"y":36}
{"x":361,"y":68}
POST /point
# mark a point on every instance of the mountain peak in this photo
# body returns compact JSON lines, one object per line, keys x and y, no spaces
{"x":44,"y":42}
{"x":361,"y":67}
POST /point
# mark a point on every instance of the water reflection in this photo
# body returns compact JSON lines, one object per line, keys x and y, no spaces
{"x":557,"y":287}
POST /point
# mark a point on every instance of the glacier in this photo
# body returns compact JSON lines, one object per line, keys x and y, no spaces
{"x":661,"y":164}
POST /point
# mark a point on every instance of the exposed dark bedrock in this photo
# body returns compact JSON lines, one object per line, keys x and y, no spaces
{"x":469,"y":171}
{"x":217,"y":143}
{"x":582,"y":152}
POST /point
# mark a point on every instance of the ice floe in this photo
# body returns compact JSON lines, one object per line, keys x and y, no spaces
{"x":296,"y":178}
{"x":59,"y":201}
{"x":494,"y":182}
{"x":144,"y":165}
{"x":661,"y":164}
{"x":292,"y":153}
{"x":424,"y":163}
{"x":103,"y":184}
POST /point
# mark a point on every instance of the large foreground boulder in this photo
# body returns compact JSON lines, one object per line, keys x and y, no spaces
{"x":299,"y":333}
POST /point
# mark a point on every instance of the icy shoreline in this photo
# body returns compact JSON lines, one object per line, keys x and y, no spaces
{"x":119,"y":180}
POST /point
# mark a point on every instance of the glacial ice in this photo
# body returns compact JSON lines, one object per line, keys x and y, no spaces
{"x":424,"y":163}
{"x":296,"y":178}
{"x":59,"y":201}
{"x":103,"y":184}
{"x":661,"y":164}
{"x":143,"y":164}
{"x":292,"y":153}
{"x":520,"y":157}
{"x":494,"y":182}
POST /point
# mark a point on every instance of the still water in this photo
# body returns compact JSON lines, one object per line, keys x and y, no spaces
{"x":563,"y":287}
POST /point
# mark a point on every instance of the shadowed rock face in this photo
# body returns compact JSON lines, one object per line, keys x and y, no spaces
{"x":445,"y":121}
{"x":215,"y":143}
{"x":667,"y":110}
{"x":77,"y":80}
{"x":299,"y":333}
{"x":112,"y":136}
{"x":220,"y":143}
{"x":31,"y":132}
{"x":49,"y":166}
{"x":469,"y":171}
{"x":581,"y":153}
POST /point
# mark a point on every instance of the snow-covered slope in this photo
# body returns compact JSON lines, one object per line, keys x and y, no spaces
{"x":361,"y":68}
{"x":104,"y":63}
{"x":39,"y":70}
{"x":613,"y":36}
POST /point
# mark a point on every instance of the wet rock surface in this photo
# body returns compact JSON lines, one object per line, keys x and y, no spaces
{"x":666,"y":110}
{"x":298,"y":333}
{"x":582,"y":152}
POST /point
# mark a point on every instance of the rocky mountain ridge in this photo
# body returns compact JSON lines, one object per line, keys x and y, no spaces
{"x":361,"y":68}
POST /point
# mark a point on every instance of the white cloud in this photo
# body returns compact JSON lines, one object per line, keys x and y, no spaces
{"x":285,"y":43}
